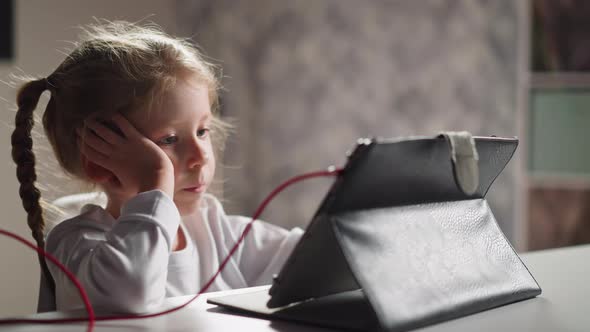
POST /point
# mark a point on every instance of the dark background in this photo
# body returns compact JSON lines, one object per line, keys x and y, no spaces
{"x":6,"y":30}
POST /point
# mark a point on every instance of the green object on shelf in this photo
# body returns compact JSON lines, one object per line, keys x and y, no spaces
{"x":559,"y":131}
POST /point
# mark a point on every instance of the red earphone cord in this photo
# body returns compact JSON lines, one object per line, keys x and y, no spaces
{"x":91,"y":315}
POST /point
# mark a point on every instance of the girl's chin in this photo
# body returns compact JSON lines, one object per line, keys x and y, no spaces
{"x":188,"y":202}
{"x":186,"y":207}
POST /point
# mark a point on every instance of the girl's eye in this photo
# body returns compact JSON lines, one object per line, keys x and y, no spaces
{"x":203,"y":132}
{"x":168,"y":140}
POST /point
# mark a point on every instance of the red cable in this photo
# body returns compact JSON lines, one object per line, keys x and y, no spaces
{"x":91,"y":317}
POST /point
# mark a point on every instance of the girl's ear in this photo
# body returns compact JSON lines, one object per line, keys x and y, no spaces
{"x":95,"y":172}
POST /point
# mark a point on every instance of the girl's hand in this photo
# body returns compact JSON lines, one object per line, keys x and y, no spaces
{"x":137,"y":163}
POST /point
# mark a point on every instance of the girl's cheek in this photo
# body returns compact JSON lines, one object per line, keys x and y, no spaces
{"x":211,"y":156}
{"x":173,"y":156}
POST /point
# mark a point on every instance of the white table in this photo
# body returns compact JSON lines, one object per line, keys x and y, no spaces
{"x":564,"y":305}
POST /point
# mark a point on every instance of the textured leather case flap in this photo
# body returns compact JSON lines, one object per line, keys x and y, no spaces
{"x":425,"y":263}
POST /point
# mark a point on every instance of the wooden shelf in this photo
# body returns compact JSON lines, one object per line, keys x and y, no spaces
{"x":558,"y":181}
{"x":557,"y":80}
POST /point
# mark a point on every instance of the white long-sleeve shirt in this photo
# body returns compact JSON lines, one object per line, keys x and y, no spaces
{"x":126,"y":265}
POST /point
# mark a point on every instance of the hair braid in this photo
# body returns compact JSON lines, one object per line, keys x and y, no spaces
{"x":23,"y":156}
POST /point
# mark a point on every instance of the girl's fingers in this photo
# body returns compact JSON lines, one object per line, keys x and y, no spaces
{"x":97,"y":143}
{"x":93,"y":155}
{"x":105,"y":133}
{"x":126,"y":127}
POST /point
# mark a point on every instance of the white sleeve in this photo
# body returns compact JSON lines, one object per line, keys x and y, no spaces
{"x":123,"y":268}
{"x":264,"y":250}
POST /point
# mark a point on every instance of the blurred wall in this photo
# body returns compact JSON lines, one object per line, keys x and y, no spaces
{"x":305,"y":79}
{"x":42,"y":29}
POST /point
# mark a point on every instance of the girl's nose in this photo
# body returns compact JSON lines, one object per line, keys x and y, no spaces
{"x":197,"y":155}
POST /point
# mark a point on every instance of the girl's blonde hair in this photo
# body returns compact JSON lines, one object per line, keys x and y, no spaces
{"x":117,"y":67}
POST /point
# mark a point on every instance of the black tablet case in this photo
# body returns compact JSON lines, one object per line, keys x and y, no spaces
{"x":397,"y":244}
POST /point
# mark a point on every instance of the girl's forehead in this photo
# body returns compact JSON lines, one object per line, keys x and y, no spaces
{"x":187,"y":102}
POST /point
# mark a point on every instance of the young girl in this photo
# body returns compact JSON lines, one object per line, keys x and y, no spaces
{"x":133,"y":111}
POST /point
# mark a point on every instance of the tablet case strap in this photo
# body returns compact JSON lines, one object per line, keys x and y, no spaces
{"x":465,"y":160}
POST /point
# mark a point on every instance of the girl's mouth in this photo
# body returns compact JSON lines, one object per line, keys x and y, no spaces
{"x":197,"y":189}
